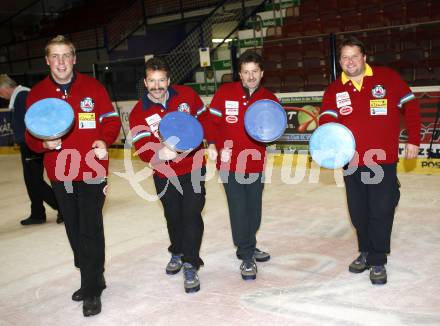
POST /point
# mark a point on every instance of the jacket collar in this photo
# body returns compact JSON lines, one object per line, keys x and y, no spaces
{"x":147,"y":103}
{"x":246,"y":90}
{"x":17,"y":90}
{"x":345,"y":79}
{"x":65,"y":88}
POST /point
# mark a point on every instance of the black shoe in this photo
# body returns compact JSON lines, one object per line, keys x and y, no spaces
{"x":191,"y":281}
{"x":60,"y":218}
{"x":78,"y":295}
{"x":359,"y":264}
{"x":91,"y":306}
{"x":259,"y":255}
{"x":175,"y":264}
{"x":248,"y":270}
{"x":378,"y":275}
{"x":32,"y":220}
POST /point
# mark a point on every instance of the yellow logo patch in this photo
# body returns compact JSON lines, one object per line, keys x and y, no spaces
{"x":378,"y":103}
{"x":86,"y":120}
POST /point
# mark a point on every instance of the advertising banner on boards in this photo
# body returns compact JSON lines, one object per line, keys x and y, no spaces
{"x":303,"y":110}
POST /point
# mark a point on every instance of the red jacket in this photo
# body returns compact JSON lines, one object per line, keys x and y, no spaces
{"x":91,"y":104}
{"x":227,"y":110}
{"x":373,"y":113}
{"x":144,"y":122}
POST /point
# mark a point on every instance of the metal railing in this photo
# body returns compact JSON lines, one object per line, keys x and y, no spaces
{"x":225,"y":19}
{"x":124,"y":24}
{"x":28,"y":55}
{"x":27,"y":22}
{"x":22,"y":45}
{"x":126,"y":76}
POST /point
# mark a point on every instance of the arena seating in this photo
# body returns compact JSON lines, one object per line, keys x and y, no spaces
{"x":402,"y":34}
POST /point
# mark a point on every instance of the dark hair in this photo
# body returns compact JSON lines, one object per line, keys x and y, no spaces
{"x":250,"y":56}
{"x":157,"y":64}
{"x":352,"y":41}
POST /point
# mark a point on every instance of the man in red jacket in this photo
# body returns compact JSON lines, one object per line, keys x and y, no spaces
{"x":241,"y":159}
{"x":79,"y":170}
{"x":369,"y":101}
{"x":178,"y":177}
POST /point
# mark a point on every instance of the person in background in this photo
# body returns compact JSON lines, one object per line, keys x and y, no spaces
{"x":178,"y":178}
{"x":78,"y":172}
{"x":369,"y":101}
{"x":240,"y":159}
{"x":33,"y":170}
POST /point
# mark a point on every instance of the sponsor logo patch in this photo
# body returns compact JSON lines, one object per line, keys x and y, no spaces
{"x":153,"y":123}
{"x":342,"y":99}
{"x":184,"y":107}
{"x":346,"y":110}
{"x":86,"y":121}
{"x":231,"y":119}
{"x":378,"y":91}
{"x":87,"y":104}
{"x":152,"y":119}
{"x":378,"y":107}
{"x":231,"y":104}
{"x":232,"y":111}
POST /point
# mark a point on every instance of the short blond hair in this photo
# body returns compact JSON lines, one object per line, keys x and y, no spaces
{"x":60,"y":40}
{"x":7,"y":82}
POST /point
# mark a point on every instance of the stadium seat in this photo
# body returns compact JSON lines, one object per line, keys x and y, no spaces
{"x":351,"y":20}
{"x":291,"y":64}
{"x":384,"y":40}
{"x":394,"y":13}
{"x":293,"y":81}
{"x":227,"y":78}
{"x":412,"y":55}
{"x":316,"y":79}
{"x":328,"y":6}
{"x":417,"y":11}
{"x":373,"y":19}
{"x":405,"y":69}
{"x":314,"y":47}
{"x":434,"y":10}
{"x":369,"y":5}
{"x":426,"y":74}
{"x":347,"y":6}
{"x":311,"y":27}
{"x":273,"y":52}
{"x":435,"y":36}
{"x":312,"y":62}
{"x":272,"y":65}
{"x":292,"y":28}
{"x":383,"y":58}
{"x":409,"y":38}
{"x":428,"y":35}
{"x":272,"y":81}
{"x":331,"y":25}
{"x":274,"y":32}
{"x":309,"y":9}
{"x":434,"y":53}
{"x":292,"y":11}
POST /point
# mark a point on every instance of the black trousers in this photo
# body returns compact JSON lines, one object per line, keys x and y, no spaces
{"x":372,"y":198}
{"x":37,"y":188}
{"x":183,"y":213}
{"x":244,"y":193}
{"x":81,"y":206}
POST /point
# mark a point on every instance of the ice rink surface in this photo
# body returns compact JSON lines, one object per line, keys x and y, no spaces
{"x":305,"y":227}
